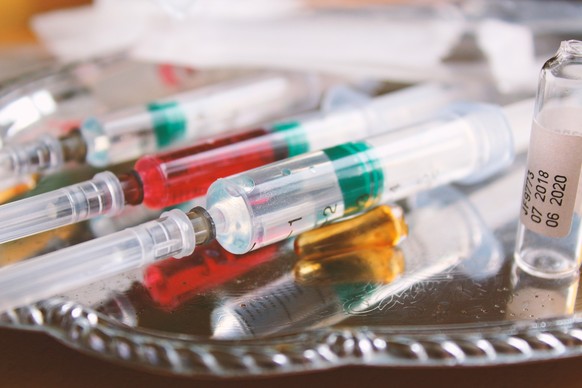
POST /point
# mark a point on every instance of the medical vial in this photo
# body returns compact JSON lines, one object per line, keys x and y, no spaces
{"x":534,"y":297}
{"x":380,"y":227}
{"x":549,"y":234}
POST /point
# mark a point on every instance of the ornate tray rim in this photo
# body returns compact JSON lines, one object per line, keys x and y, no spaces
{"x":475,"y":344}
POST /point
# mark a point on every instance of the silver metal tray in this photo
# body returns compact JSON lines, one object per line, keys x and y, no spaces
{"x":459,"y":302}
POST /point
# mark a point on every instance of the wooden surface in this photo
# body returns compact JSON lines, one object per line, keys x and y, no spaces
{"x":30,"y":359}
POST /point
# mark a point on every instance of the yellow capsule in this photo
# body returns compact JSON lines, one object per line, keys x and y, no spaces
{"x":381,"y":226}
{"x":377,"y":265}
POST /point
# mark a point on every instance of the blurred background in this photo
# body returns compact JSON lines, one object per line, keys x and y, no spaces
{"x":15,"y":18}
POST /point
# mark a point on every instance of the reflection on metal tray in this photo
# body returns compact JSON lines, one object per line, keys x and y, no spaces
{"x":459,"y":301}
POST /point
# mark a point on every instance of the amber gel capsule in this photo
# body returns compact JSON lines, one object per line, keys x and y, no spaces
{"x":359,"y":249}
{"x":374,"y":265}
{"x":382,"y":226}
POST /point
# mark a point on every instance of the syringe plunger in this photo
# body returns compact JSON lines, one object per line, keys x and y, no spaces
{"x":101,"y":195}
{"x":44,"y":154}
{"x":29,"y":281}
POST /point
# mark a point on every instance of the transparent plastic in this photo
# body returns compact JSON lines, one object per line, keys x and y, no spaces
{"x":277,"y":201}
{"x":45,"y":154}
{"x":549,"y":236}
{"x":35,"y":279}
{"x":176,"y":176}
{"x":75,"y":203}
{"x":56,"y":91}
{"x":181,"y":175}
{"x":128,"y":134}
{"x":173,"y":177}
{"x":60,"y":91}
{"x":413,"y":105}
{"x":466,"y":142}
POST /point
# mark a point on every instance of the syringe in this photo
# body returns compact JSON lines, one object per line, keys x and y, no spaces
{"x":127,"y":134}
{"x":177,"y":176}
{"x":295,"y":302}
{"x":465,"y":142}
{"x":468,"y":246}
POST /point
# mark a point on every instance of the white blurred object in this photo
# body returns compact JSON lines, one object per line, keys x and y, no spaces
{"x":343,"y":42}
{"x":542,"y":17}
{"x":97,"y":30}
{"x":405,"y":43}
{"x":509,"y":49}
{"x":231,"y":9}
{"x":338,"y":40}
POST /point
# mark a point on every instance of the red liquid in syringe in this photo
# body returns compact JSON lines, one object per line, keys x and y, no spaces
{"x":182,"y":175}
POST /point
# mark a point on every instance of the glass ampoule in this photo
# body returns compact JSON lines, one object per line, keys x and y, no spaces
{"x":535,"y":297}
{"x":549,"y":234}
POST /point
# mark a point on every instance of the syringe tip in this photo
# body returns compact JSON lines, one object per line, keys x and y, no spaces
{"x":204,"y":228}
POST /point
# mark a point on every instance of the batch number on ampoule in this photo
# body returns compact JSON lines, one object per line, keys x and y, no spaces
{"x":551,"y":182}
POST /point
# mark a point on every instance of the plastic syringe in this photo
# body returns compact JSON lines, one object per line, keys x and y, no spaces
{"x":466,"y":142}
{"x":130,"y":133}
{"x":170,"y":178}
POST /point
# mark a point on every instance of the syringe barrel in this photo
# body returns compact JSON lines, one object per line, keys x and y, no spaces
{"x":409,"y":105}
{"x":277,"y":201}
{"x":180,"y":175}
{"x":128,"y":134}
{"x":64,"y":270}
{"x":465,"y":142}
{"x":42,"y":155}
{"x":101,"y":195}
{"x":184,"y":174}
